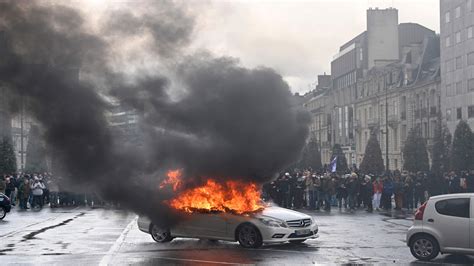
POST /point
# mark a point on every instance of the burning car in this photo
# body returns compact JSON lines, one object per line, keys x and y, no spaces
{"x":231,"y":211}
{"x":271,"y":225}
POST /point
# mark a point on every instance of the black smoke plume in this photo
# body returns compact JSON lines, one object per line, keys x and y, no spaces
{"x":208,"y":116}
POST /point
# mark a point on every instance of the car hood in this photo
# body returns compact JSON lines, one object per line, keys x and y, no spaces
{"x":282,"y":214}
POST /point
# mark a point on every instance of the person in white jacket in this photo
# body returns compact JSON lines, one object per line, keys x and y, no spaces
{"x":37,"y":188}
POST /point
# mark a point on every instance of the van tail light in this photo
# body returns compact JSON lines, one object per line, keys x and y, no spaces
{"x":419,"y":213}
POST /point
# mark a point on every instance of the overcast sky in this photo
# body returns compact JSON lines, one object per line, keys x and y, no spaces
{"x":297,"y":38}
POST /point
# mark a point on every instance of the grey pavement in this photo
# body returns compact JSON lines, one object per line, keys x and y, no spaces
{"x":84,"y":236}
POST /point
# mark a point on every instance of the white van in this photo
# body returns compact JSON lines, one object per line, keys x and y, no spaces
{"x":443,"y":224}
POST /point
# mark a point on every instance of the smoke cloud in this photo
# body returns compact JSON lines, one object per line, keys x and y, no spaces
{"x":208,"y":116}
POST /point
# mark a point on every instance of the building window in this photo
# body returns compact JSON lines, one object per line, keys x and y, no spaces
{"x":470,"y":111}
{"x":447,"y":17}
{"x":404,"y":132}
{"x":458,"y":87}
{"x":459,"y":113}
{"x":449,"y":90}
{"x":458,"y":12}
{"x":448,"y":41}
{"x":469,"y":32}
{"x":470,"y":58}
{"x":470,"y":85}
{"x":459,"y":62}
{"x":469,"y":5}
{"x":458,"y":37}
{"x":448,"y":114}
{"x":450,"y":65}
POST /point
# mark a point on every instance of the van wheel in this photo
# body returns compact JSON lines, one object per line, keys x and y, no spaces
{"x":424,"y":247}
{"x":249,"y":236}
{"x":160,"y":235}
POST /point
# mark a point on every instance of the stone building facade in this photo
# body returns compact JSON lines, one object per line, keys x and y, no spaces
{"x":457,"y":61}
{"x":379,"y":88}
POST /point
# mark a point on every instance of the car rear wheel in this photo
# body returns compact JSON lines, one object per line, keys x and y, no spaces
{"x":249,"y":236}
{"x":160,"y":235}
{"x":297,"y":241}
{"x":3,"y":212}
{"x":424,"y":247}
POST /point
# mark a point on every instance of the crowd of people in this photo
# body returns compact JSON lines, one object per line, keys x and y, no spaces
{"x":351,"y":191}
{"x":296,"y":189}
{"x":35,"y":190}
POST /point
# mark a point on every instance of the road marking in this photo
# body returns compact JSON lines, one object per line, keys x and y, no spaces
{"x":118,"y":243}
{"x":33,"y":224}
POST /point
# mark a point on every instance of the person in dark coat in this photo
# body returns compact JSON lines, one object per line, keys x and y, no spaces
{"x":368,"y":192}
{"x":387,"y":193}
{"x":419,"y":190}
{"x":352,"y":190}
{"x":398,"y":192}
{"x":408,"y":192}
{"x":24,"y":193}
{"x":341,"y":193}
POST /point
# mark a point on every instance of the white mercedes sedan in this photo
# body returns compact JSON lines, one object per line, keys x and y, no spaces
{"x":271,"y":225}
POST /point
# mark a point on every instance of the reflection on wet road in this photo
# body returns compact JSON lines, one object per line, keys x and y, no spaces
{"x":98,"y":236}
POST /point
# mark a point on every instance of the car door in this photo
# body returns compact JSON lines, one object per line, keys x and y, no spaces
{"x":471,"y":231}
{"x":207,"y":225}
{"x":453,"y":222}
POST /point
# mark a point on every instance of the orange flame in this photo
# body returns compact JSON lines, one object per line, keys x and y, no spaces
{"x":231,"y":196}
{"x":174,"y":179}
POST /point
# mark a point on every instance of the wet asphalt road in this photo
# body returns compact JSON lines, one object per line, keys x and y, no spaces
{"x":84,"y":236}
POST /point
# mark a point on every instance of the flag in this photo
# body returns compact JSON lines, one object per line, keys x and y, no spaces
{"x":333,"y":164}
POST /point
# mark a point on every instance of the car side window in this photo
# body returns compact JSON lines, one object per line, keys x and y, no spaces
{"x":454,"y":207}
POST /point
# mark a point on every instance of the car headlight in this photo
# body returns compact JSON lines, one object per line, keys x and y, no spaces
{"x":273,"y":222}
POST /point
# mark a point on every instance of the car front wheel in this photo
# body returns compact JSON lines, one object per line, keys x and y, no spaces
{"x":160,"y":235}
{"x":3,"y":212}
{"x":424,"y":247}
{"x":249,"y":236}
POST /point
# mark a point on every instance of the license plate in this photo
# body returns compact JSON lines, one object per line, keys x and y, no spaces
{"x":302,"y":232}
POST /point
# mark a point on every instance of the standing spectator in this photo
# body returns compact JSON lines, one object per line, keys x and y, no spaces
{"x":387,"y":193}
{"x":419,"y":190}
{"x":318,"y":189}
{"x":10,"y":188}
{"x":454,"y":183}
{"x":341,"y":193}
{"x":326,"y":188}
{"x":37,"y":190}
{"x":284,"y":190}
{"x":15,"y":182}
{"x":378,"y":189}
{"x":470,"y":182}
{"x":2,"y":184}
{"x":53,"y":193}
{"x":368,"y":192}
{"x":398,"y":192}
{"x":299,"y":191}
{"x":24,"y":193}
{"x":312,"y":192}
{"x":408,"y":192}
{"x":352,"y":189}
